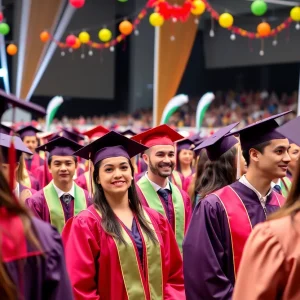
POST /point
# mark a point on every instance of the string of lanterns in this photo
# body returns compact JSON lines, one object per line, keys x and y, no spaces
{"x":11,"y":48}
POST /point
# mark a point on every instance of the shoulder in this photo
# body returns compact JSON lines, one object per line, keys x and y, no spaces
{"x":38,"y":196}
{"x":211,"y":201}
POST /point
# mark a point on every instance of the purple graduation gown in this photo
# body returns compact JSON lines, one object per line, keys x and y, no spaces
{"x":43,"y":277}
{"x":207,"y":250}
{"x":38,"y":205}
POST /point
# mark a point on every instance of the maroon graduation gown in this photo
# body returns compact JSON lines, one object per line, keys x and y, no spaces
{"x":34,"y":162}
{"x":42,"y":276}
{"x":207,"y":248}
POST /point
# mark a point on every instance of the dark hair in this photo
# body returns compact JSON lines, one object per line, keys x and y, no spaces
{"x":8,"y":289}
{"x":260,"y":147}
{"x":217,"y":174}
{"x":50,"y":159}
{"x":109,"y":220}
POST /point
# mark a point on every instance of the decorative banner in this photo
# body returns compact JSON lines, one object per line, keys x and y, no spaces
{"x":52,"y":108}
{"x":172,"y":106}
{"x":202,"y":107}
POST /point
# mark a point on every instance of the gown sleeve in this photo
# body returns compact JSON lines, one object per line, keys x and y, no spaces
{"x":204,"y":255}
{"x":174,"y":288}
{"x":57,"y":280}
{"x":82,"y":251}
{"x":35,"y":206}
{"x":262,"y":269}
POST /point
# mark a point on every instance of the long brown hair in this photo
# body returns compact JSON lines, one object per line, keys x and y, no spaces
{"x":8,"y":290}
{"x":292,"y":204}
{"x":109,"y":220}
{"x":217,"y":174}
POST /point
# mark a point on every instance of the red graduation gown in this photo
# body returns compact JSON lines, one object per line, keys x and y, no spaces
{"x":94,"y":267}
{"x":81,"y":181}
{"x":34,"y":162}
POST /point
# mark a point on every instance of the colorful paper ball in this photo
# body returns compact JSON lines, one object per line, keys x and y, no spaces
{"x":12,"y":49}
{"x":77,"y":3}
{"x":226,"y":20}
{"x":295,"y":14}
{"x":77,"y":44}
{"x":1,"y":16}
{"x":126,"y":27}
{"x":264,"y":29}
{"x":4,"y":28}
{"x":156,"y":19}
{"x":259,"y":7}
{"x":198,"y":7}
{"x":105,"y":35}
{"x":71,"y":40}
{"x":84,"y":37}
{"x":44,"y":36}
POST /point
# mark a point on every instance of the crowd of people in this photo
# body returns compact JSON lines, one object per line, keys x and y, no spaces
{"x":109,"y":214}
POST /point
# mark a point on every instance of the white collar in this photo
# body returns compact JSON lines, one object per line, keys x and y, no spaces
{"x":17,"y":190}
{"x":60,"y":192}
{"x":156,"y":186}
{"x":245,"y":182}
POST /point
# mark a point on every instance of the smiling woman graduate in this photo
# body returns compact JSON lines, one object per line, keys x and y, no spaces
{"x":123,"y":251}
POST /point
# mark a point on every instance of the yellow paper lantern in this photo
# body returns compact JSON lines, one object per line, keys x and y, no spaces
{"x":84,"y":37}
{"x":226,"y":20}
{"x":295,"y":14}
{"x":156,"y":19}
{"x":198,"y":7}
{"x":105,"y":35}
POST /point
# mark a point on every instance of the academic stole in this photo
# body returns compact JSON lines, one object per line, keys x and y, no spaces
{"x":131,"y":267}
{"x":155,"y":203}
{"x":239,"y":222}
{"x":57,"y":216}
{"x":176,"y":179}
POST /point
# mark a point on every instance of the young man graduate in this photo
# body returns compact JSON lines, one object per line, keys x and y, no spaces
{"x":29,"y":138}
{"x":61,"y":199}
{"x":223,"y":220}
{"x":154,"y":188}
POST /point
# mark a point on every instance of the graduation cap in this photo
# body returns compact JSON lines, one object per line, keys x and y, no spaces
{"x":7,"y":101}
{"x":5,"y":144}
{"x":27,"y":131}
{"x":185,"y":144}
{"x":128,"y":133}
{"x":196,"y":139}
{"x":96,"y":132}
{"x":111,"y":144}
{"x":60,"y":146}
{"x":260,"y":132}
{"x":75,"y":137}
{"x":290,"y":130}
{"x":219,"y":143}
{"x":160,"y":135}
{"x":5,"y":129}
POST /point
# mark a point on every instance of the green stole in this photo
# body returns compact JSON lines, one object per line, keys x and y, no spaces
{"x":285,"y":184}
{"x":133,"y":274}
{"x":176,"y":179}
{"x":57,"y":216}
{"x":155,"y":203}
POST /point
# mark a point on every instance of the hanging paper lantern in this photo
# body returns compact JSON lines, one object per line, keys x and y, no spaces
{"x":105,"y":35}
{"x":126,"y":27}
{"x":198,"y":7}
{"x":295,"y":14}
{"x":71,"y":40}
{"x":1,"y":16}
{"x":44,"y":36}
{"x":264,"y":29}
{"x":12,"y":49}
{"x":122,"y":1}
{"x":259,"y":7}
{"x":84,"y":37}
{"x":77,"y":44}
{"x":226,"y":20}
{"x":156,"y":19}
{"x":77,"y":3}
{"x":4,"y":28}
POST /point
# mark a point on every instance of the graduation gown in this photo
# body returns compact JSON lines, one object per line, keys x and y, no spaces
{"x":41,"y":276}
{"x":270,"y":267}
{"x":38,"y":205}
{"x":95,"y":267}
{"x":82,"y":181}
{"x":34,"y":162}
{"x":25,"y":192}
{"x":207,"y":250}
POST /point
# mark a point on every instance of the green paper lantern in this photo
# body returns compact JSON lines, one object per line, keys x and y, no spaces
{"x":4,"y":28}
{"x":259,"y":7}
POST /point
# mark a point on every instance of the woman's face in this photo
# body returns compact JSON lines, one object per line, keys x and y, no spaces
{"x":294,"y":153}
{"x":243,"y":164}
{"x":186,"y":157}
{"x":115,"y":175}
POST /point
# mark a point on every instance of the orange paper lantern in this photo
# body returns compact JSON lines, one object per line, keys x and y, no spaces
{"x":12,"y":49}
{"x":126,"y":27}
{"x":44,"y":36}
{"x":264,"y":29}
{"x":77,"y":44}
